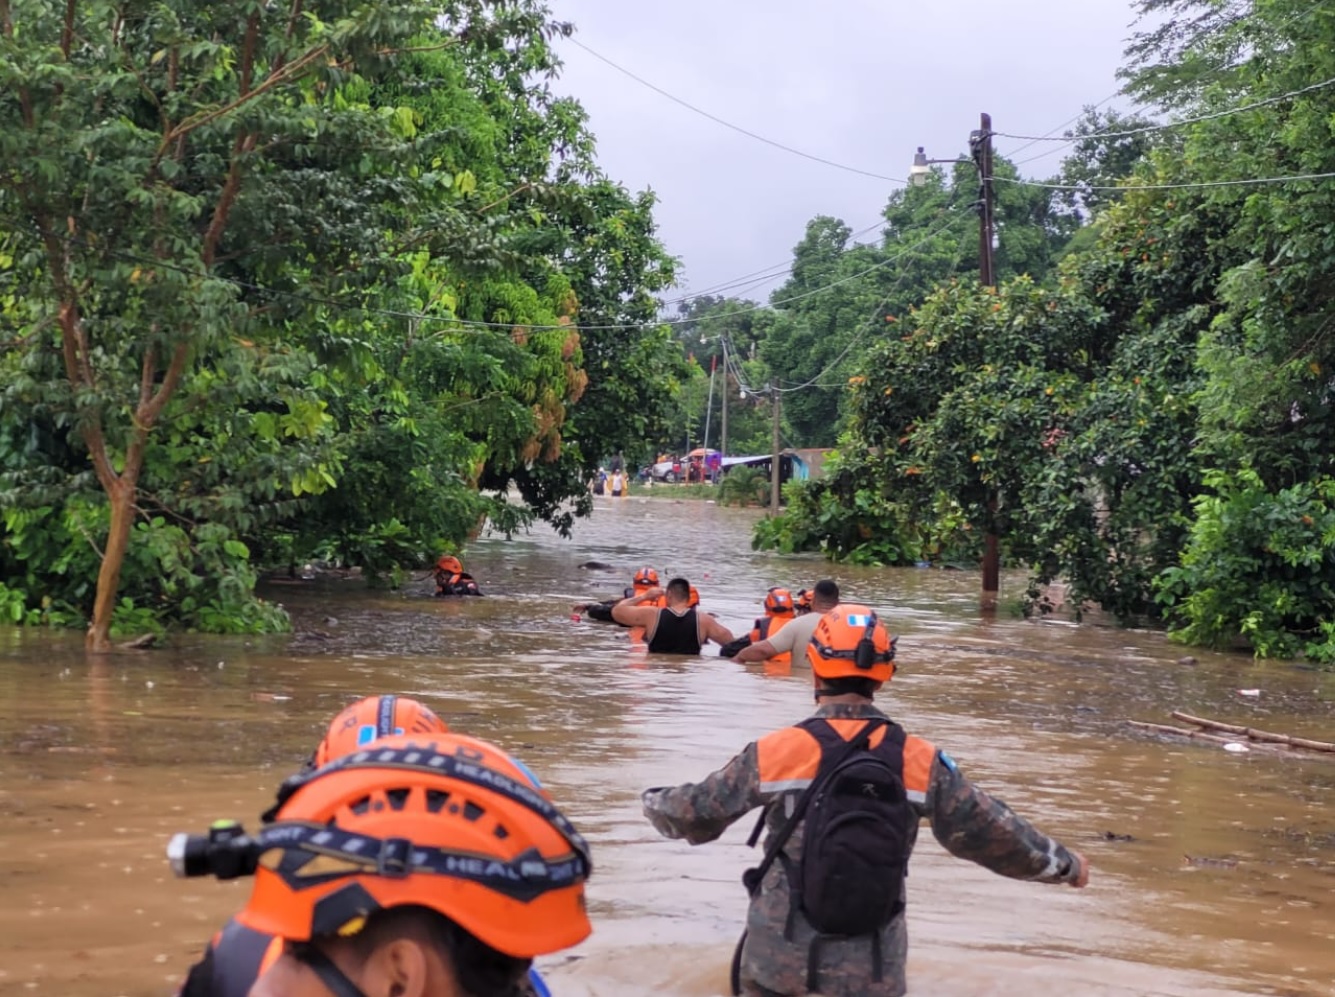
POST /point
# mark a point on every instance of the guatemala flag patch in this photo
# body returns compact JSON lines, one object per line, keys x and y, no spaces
{"x":858,"y":619}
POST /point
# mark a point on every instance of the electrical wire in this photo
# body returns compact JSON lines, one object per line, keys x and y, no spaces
{"x":776,"y":302}
{"x":737,"y":128}
{"x":866,"y":327}
{"x":771,"y":271}
{"x":1246,"y":181}
{"x":1050,"y":134}
{"x":1166,"y":126}
{"x":880,"y":306}
{"x":1065,"y":141}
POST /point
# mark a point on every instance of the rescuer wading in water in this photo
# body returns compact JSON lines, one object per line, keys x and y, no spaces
{"x":843,"y":794}
{"x":676,"y":627}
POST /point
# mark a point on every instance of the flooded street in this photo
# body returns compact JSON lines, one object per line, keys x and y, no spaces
{"x":100,"y":762}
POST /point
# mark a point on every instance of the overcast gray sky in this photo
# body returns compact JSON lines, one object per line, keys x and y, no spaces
{"x":862,"y":82}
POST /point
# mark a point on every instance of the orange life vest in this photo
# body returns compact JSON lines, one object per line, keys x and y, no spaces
{"x":767,"y":626}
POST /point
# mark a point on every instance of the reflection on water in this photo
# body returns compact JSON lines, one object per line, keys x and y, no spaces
{"x":102,"y":761}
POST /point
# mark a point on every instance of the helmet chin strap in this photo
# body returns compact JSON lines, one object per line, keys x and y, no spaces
{"x":330,"y":975}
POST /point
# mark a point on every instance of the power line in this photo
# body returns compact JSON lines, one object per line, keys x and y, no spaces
{"x":1050,"y":137}
{"x":1250,"y":181}
{"x":1051,"y":132}
{"x":737,"y":128}
{"x":812,"y":293}
{"x":737,"y":288}
{"x":737,"y":373}
{"x":754,"y":277}
{"x":769,"y":272}
{"x":1170,"y":124}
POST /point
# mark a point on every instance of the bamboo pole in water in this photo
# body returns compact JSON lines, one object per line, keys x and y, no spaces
{"x":1253,"y":734}
{"x":1201,"y":735}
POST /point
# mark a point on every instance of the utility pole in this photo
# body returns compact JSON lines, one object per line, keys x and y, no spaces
{"x":774,"y":461}
{"x":980,"y":142}
{"x":723,"y":441}
{"x":709,"y":400}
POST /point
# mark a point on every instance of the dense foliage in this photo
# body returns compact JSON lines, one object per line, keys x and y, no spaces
{"x":280,"y":281}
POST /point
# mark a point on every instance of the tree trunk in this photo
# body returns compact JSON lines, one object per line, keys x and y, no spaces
{"x":121,"y":500}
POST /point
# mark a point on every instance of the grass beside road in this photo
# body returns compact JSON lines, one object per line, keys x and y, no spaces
{"x":661,"y":490}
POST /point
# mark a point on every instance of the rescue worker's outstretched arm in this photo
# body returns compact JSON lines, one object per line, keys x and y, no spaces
{"x":972,"y":825}
{"x":716,"y":631}
{"x":701,"y":811}
{"x":630,"y":613}
{"x":757,"y":652}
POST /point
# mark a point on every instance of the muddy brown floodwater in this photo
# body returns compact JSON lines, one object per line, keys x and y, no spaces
{"x":100,"y":761}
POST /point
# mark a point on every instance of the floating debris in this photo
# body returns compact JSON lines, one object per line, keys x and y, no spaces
{"x":1205,"y":862}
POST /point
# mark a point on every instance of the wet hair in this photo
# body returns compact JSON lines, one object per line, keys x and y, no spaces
{"x":479,"y":969}
{"x":848,"y":686}
{"x":826,"y":591}
{"x":679,"y":589}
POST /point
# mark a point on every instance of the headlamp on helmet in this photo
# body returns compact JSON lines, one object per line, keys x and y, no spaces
{"x":446,"y":822}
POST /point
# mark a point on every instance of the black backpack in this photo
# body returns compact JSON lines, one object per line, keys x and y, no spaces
{"x":859,"y":825}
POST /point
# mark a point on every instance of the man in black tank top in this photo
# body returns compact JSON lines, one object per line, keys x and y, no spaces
{"x":676,"y":628}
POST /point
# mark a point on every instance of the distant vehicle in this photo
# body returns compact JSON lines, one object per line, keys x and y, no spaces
{"x":669,"y":471}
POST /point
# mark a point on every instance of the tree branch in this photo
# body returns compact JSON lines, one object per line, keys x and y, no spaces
{"x":91,"y":542}
{"x":146,"y":373}
{"x":160,"y":507}
{"x":248,"y":52}
{"x":91,"y":429}
{"x":501,"y":200}
{"x":67,"y":31}
{"x":146,"y":414}
{"x":283,"y":75}
{"x":149,"y":413}
{"x":226,"y":198}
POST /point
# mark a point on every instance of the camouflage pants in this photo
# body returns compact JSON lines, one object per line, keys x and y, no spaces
{"x":769,"y":965}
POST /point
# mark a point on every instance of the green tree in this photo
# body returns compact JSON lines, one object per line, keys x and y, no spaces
{"x":1107,"y":147}
{"x":841,"y":300}
{"x":159,"y":158}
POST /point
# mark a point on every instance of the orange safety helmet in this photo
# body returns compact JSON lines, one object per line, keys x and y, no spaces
{"x":850,"y":642}
{"x":370,"y":719}
{"x":778,"y":602}
{"x":444,"y":821}
{"x":645,"y":578}
{"x":450,"y":563}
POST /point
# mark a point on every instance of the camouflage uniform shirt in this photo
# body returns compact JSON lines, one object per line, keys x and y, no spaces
{"x":968,"y":823}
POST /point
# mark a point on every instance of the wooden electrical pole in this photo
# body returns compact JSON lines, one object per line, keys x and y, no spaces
{"x":981,"y":144}
{"x":723,"y":441}
{"x":774,"y":460}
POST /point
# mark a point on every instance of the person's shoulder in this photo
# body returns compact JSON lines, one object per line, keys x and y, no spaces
{"x":795,"y":736}
{"x":799,"y":631}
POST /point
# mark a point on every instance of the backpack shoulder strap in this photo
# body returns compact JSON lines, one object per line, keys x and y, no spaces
{"x":830,"y":761}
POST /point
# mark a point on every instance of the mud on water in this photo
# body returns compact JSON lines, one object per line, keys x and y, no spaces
{"x":1226,"y":884}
